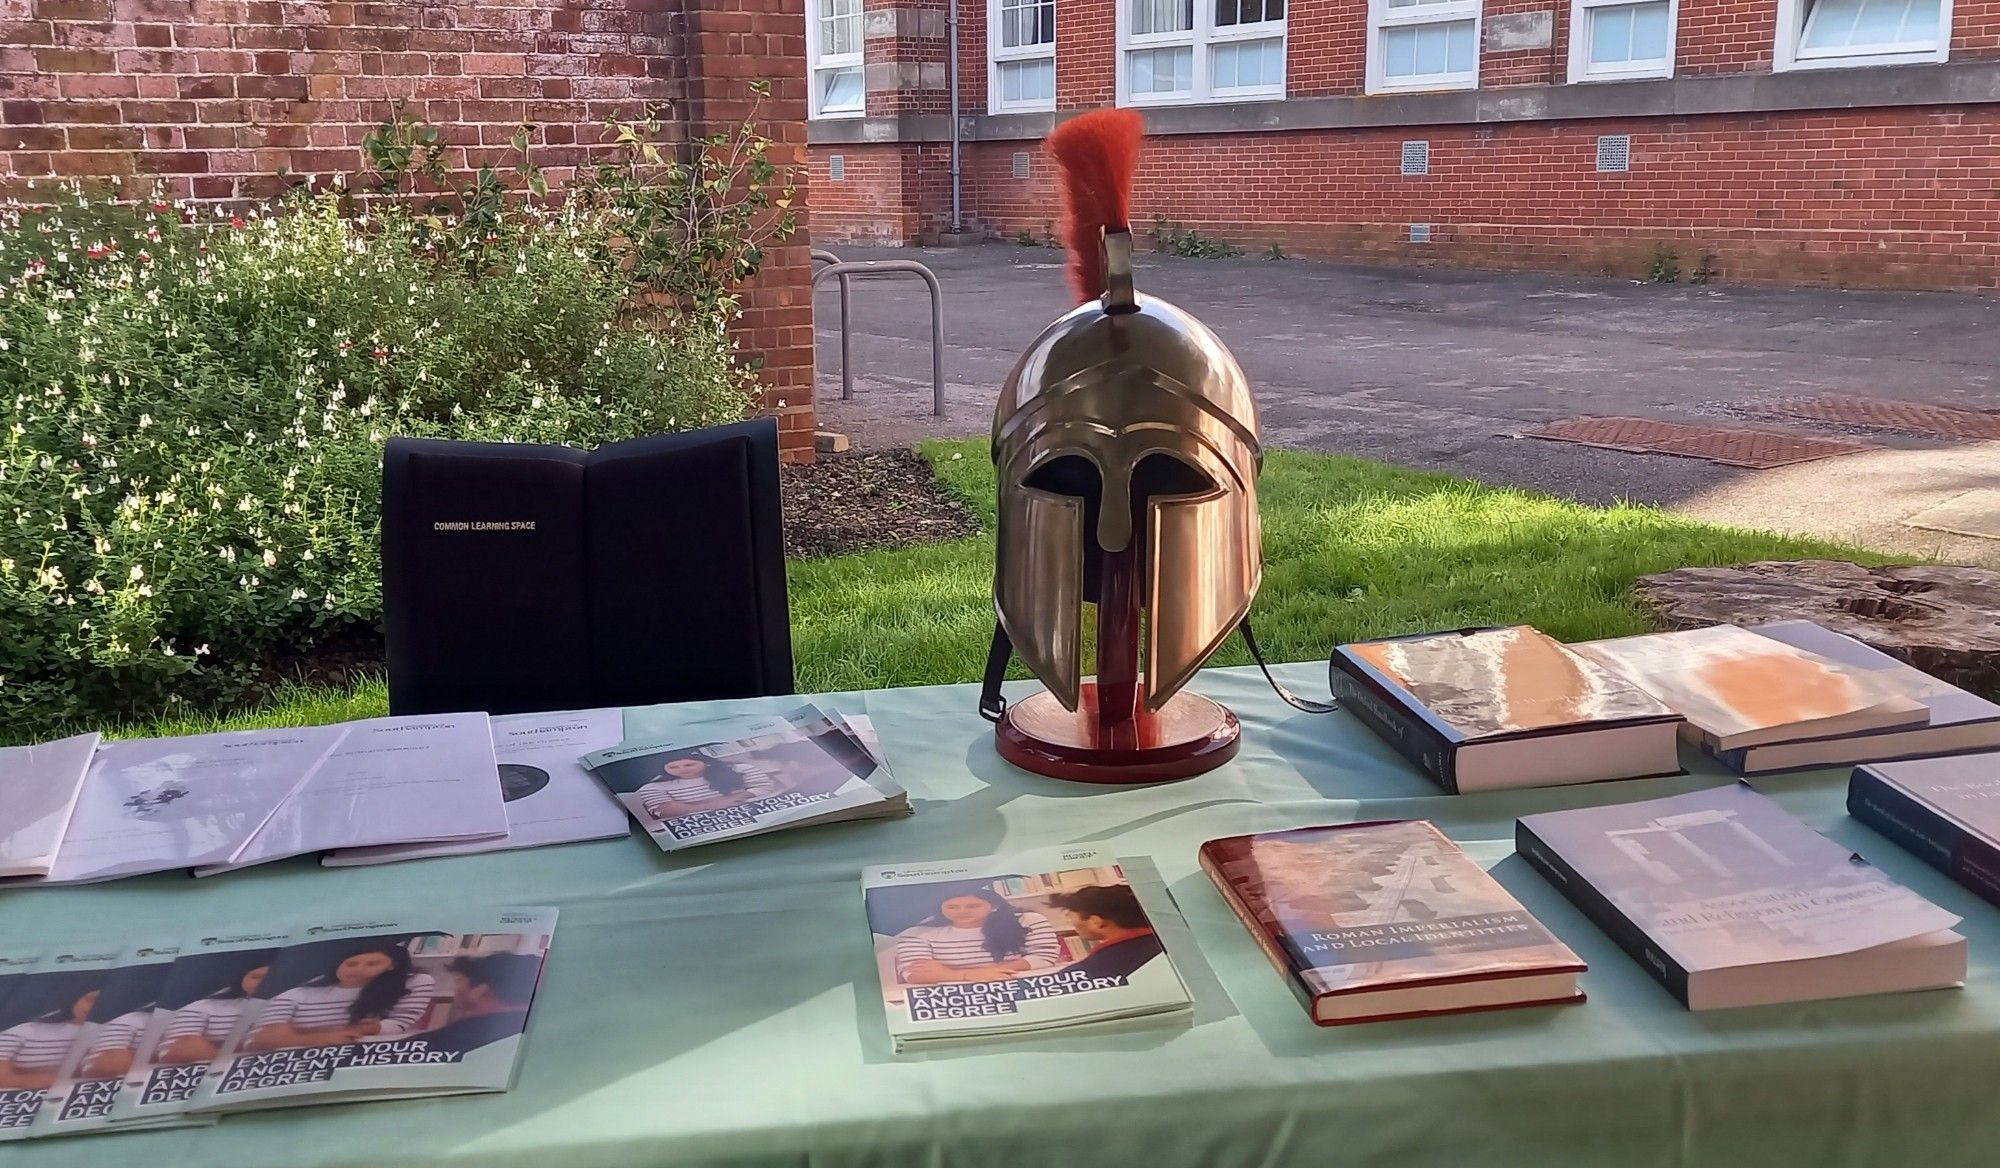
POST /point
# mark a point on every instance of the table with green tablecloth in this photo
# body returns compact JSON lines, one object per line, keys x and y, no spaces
{"x":719,"y":1007}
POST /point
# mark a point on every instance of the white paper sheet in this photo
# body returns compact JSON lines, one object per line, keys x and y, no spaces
{"x":392,"y":781}
{"x":549,"y":797}
{"x":166,"y":804}
{"x":39,"y":786}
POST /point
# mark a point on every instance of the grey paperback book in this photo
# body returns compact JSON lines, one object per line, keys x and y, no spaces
{"x":1728,"y":900}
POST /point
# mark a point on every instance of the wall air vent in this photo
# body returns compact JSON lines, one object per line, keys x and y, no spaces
{"x":1614,"y":153}
{"x":1417,"y":157}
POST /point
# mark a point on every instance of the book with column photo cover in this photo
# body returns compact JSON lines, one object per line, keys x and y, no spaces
{"x":808,"y":768}
{"x":1370,"y":921}
{"x":973,"y":950}
{"x":385,"y":1009}
{"x":44,"y":1012}
{"x":1727,"y":900}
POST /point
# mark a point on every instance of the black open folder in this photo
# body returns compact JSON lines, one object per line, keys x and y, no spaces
{"x":519,"y":577}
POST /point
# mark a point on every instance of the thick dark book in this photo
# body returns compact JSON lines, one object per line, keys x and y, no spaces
{"x":1727,"y":900}
{"x":521,"y":578}
{"x":1372,"y":921}
{"x":1490,"y":709}
{"x":1944,"y":811}
{"x":1959,"y":721}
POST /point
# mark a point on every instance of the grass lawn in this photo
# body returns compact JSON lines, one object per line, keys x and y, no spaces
{"x":1352,"y":549}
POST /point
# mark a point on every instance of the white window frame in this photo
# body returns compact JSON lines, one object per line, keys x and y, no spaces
{"x":1787,"y":56}
{"x":996,"y":55}
{"x":1580,"y":67}
{"x":1202,"y":40}
{"x":1381,"y":18}
{"x":818,"y":63}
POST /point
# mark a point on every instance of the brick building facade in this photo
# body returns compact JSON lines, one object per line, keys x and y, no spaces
{"x":223,"y":99}
{"x":1841,"y":141}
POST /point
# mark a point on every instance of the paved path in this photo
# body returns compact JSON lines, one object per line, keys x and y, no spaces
{"x":1444,"y":369}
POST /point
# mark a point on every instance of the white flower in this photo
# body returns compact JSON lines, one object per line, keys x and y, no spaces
{"x":270,"y":559}
{"x":138,"y":573}
{"x":145,"y":589}
{"x":298,"y":594}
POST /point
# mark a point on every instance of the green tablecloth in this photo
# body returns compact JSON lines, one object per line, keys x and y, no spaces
{"x":720,"y":1007}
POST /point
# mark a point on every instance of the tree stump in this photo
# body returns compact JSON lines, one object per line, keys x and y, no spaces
{"x":1943,"y":620}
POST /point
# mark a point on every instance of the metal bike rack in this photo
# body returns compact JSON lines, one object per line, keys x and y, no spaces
{"x":844,"y":271}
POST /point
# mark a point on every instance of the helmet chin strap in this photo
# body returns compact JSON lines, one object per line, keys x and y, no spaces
{"x":1291,"y":699}
{"x":992,"y":706}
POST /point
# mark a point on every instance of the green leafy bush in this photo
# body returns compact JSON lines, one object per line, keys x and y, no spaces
{"x":193,"y":402}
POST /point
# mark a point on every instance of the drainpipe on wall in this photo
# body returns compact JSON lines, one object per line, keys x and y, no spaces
{"x":951,"y":71}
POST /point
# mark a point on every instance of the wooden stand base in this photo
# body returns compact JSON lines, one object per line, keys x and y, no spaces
{"x":1191,"y":735}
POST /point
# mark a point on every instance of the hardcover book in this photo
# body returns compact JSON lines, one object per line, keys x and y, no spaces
{"x":1945,"y":811}
{"x":1369,"y":921}
{"x":1003,"y":946}
{"x":1739,"y":689}
{"x":1958,"y":721}
{"x":809,"y":768}
{"x":1728,"y":901}
{"x":1484,"y":709}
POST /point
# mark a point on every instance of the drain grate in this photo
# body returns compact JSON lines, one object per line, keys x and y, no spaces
{"x":1885,"y":414}
{"x":1756,"y":449}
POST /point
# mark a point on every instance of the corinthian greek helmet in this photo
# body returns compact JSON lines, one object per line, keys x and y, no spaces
{"x":1125,"y":435}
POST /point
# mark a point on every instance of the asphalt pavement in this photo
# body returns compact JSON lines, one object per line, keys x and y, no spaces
{"x":1447,"y":369}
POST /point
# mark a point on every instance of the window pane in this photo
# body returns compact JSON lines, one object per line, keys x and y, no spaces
{"x":1151,"y":16}
{"x":840,"y":34}
{"x":1161,"y":70}
{"x":1833,"y":25}
{"x":1233,"y":12}
{"x":1429,"y":50}
{"x":1250,"y":64}
{"x":840,"y":90}
{"x":1461,"y":52}
{"x":1400,"y":51}
{"x":1649,"y":32}
{"x":1027,"y":22}
{"x":1022,"y":81}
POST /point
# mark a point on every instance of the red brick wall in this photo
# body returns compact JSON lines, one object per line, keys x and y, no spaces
{"x":1086,"y":54}
{"x":1891,"y":197}
{"x":215,"y":98}
{"x":1773,"y":197}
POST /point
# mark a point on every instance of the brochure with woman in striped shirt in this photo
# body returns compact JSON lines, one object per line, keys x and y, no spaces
{"x":985,"y":948}
{"x":46,"y":1012}
{"x":349,"y":1012}
{"x":107,"y":1049}
{"x":811,"y":767}
{"x":202,"y":1002}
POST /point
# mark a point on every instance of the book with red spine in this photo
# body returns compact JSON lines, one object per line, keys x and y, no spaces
{"x":1382,"y":920}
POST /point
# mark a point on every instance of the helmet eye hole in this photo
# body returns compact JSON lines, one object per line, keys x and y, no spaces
{"x":1163,"y":474}
{"x":1068,"y":474}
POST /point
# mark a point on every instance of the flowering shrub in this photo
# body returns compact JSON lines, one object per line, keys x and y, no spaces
{"x":192,"y":406}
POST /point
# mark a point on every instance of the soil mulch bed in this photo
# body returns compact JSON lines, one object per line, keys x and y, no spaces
{"x":867,"y":499}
